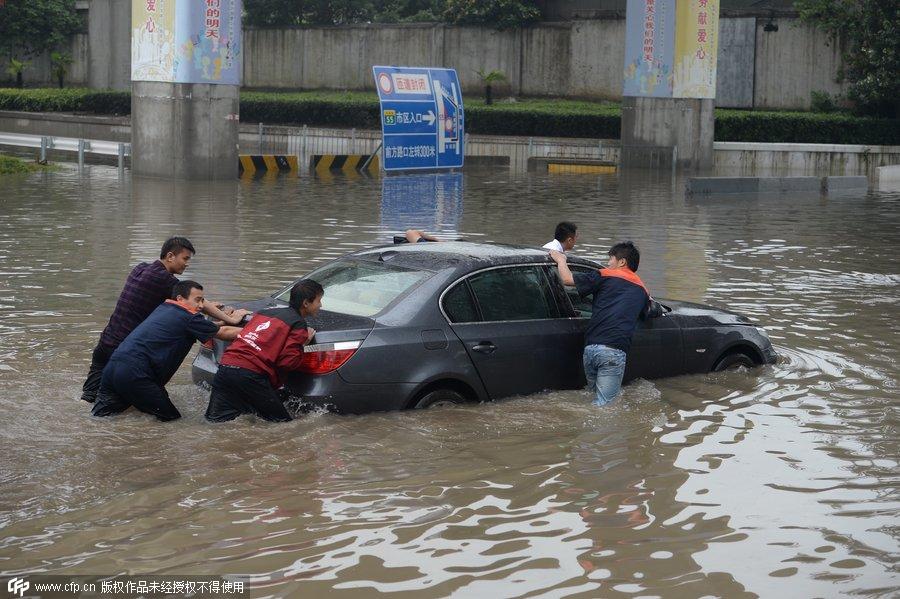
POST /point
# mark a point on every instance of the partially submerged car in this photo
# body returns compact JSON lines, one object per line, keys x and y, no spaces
{"x":412,"y":326}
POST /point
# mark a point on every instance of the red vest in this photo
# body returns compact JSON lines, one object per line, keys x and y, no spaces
{"x":271,"y":343}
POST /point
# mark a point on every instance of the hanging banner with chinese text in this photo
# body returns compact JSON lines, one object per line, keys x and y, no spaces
{"x":152,"y":40}
{"x":649,"y":48}
{"x":670,"y":48}
{"x":696,"y":44}
{"x":186,"y":41}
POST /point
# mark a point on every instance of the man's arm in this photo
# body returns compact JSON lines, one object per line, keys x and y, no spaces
{"x":413,"y":235}
{"x":210,"y":308}
{"x":292,"y":352}
{"x":227,"y":333}
{"x":565,"y":274}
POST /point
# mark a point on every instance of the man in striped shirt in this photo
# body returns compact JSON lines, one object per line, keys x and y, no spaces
{"x":148,"y":285}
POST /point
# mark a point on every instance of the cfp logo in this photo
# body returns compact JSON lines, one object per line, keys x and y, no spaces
{"x":17,"y":586}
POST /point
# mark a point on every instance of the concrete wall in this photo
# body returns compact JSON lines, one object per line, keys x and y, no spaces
{"x":39,"y":71}
{"x":735,"y":67}
{"x":793,"y":62}
{"x":757,"y":69}
{"x":109,"y":44}
{"x":582,"y":58}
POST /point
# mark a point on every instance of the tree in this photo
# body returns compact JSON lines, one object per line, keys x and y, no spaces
{"x":489,"y":77}
{"x":502,"y":14}
{"x":14,"y":69}
{"x":308,"y":12}
{"x":60,"y":62}
{"x":31,"y":27}
{"x":869,"y":31}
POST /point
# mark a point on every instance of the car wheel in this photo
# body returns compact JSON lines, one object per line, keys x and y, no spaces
{"x":440,"y":397}
{"x":733,"y":362}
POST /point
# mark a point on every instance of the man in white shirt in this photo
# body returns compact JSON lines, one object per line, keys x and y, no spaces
{"x":564,"y":239}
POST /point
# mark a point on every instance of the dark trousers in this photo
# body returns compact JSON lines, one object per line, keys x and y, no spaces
{"x":237,"y":391}
{"x":99,"y":359}
{"x":123,"y":385}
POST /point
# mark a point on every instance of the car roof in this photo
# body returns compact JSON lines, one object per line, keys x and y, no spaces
{"x":465,"y":255}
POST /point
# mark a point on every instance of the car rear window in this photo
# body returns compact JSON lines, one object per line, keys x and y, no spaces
{"x":360,"y":288}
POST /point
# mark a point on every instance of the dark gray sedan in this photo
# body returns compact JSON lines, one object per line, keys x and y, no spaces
{"x":412,"y":326}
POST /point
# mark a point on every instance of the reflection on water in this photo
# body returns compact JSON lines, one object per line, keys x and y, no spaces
{"x":780,"y":482}
{"x":432,"y":202}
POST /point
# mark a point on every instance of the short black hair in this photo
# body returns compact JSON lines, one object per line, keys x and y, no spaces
{"x":564,"y":230}
{"x":304,"y":289}
{"x":183,"y":288}
{"x":175,"y":245}
{"x":627,"y":251}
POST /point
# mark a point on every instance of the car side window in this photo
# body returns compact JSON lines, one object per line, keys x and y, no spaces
{"x":459,"y":305}
{"x":583,"y":305}
{"x":518,"y":293}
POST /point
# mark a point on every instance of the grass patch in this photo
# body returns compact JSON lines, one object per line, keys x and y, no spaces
{"x":10,"y":165}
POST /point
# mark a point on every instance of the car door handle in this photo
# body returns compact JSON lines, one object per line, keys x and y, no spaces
{"x":484,"y":347}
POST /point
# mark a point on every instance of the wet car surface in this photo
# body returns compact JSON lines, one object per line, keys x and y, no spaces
{"x":406,"y":326}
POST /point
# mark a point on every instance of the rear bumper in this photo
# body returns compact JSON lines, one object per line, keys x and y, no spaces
{"x":328,"y":391}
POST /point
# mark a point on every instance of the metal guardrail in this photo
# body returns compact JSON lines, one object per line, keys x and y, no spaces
{"x":68,"y":144}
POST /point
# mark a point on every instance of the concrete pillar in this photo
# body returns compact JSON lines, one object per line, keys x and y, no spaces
{"x":109,"y":44}
{"x":184,"y":130}
{"x":684,"y":123}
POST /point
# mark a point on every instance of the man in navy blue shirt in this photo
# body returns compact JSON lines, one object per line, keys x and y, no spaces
{"x":620,"y":298}
{"x":139,"y":368}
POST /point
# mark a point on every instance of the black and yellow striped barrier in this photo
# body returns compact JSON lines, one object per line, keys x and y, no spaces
{"x":267,"y":163}
{"x":323,"y":163}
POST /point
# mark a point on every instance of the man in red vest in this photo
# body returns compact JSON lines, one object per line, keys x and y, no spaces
{"x":253,"y":365}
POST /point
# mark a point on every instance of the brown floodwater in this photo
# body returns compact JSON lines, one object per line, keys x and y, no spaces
{"x":777,"y":482}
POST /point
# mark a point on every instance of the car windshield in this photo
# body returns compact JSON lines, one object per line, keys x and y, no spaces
{"x":360,"y":288}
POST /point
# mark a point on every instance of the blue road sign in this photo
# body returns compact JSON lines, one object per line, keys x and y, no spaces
{"x":422,"y":117}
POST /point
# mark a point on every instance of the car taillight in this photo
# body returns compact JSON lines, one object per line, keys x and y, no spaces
{"x":323,"y":358}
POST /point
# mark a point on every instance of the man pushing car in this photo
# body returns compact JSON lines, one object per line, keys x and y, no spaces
{"x":141,"y":366}
{"x":252,"y":367}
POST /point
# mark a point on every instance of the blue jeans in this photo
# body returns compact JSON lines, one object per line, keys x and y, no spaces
{"x":604,"y":368}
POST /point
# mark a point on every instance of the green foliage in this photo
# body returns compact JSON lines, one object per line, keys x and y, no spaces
{"x":66,"y":100}
{"x":805,"y":127}
{"x":527,"y":117}
{"x":29,"y":27}
{"x":328,"y":110}
{"x":822,"y":102}
{"x":60,"y":62}
{"x":870,"y":34}
{"x":15,"y":67}
{"x":489,"y":77}
{"x":502,"y":14}
{"x":408,"y":11}
{"x":11,"y":165}
{"x":339,"y":12}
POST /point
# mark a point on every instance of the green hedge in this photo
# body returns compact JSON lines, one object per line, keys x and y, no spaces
{"x":805,"y":127}
{"x":66,"y":100}
{"x":550,"y":118}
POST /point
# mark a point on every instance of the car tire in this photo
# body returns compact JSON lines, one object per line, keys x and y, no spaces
{"x":733,"y":362}
{"x":439,"y":397}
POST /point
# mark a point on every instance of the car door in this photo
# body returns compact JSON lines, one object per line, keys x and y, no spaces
{"x":520,"y":342}
{"x":656,"y":348}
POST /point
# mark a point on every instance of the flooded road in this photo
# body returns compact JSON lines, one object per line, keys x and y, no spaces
{"x":781,"y":482}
